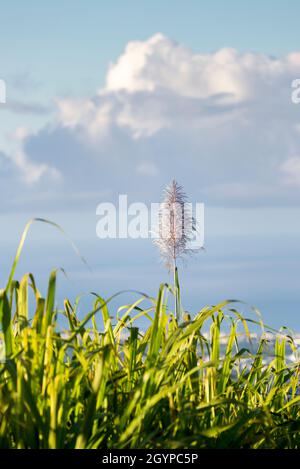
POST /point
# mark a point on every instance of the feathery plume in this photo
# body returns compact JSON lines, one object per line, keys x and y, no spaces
{"x":176,"y":225}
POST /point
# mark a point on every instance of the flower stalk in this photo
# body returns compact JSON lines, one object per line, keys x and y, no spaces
{"x":176,"y":229}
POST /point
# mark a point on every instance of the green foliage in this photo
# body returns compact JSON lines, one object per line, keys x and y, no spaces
{"x":116,"y":386}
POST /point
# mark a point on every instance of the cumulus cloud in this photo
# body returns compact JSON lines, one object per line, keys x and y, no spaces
{"x":223,"y":123}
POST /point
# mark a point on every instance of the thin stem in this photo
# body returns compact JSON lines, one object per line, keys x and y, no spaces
{"x":177,"y":293}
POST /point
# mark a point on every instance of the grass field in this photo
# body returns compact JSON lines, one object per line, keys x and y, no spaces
{"x":116,"y":386}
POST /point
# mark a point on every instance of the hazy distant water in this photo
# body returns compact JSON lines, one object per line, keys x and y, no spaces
{"x":261,"y":271}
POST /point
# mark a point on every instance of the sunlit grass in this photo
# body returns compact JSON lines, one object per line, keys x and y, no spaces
{"x":116,"y":386}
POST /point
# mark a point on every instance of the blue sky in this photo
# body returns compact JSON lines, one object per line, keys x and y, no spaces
{"x":66,"y":46}
{"x":202,"y":93}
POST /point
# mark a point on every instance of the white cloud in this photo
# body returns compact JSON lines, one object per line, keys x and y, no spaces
{"x":31,"y":172}
{"x":162,"y":63}
{"x":222,"y":123}
{"x":73,"y":112}
{"x":291,"y":171}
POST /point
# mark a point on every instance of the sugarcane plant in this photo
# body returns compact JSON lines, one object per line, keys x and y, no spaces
{"x":106,"y":380}
{"x":176,"y":229}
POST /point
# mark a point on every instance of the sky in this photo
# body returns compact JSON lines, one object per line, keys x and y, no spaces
{"x":118,"y":97}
